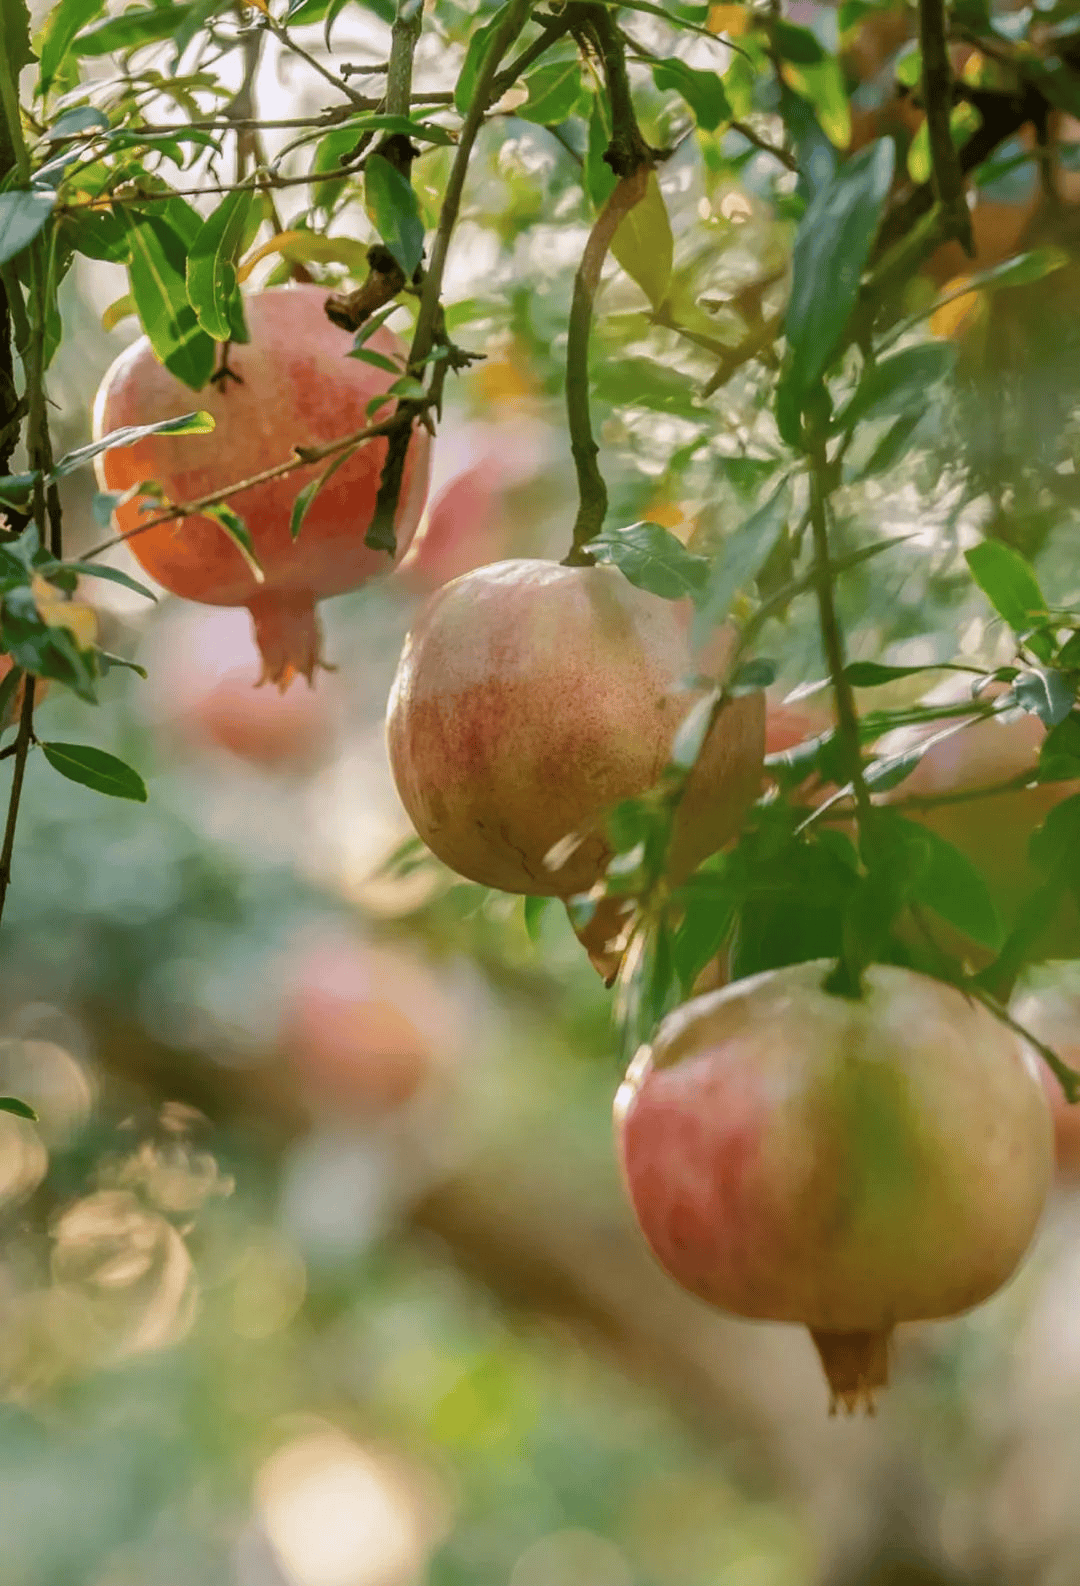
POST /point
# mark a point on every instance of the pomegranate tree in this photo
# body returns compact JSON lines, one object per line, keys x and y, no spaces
{"x":797,"y":1156}
{"x":294,"y":386}
{"x":530,"y":698}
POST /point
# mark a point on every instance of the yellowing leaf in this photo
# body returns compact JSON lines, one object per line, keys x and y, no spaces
{"x":732,"y":20}
{"x":308,"y":247}
{"x":121,"y":309}
{"x":951,"y":318}
{"x":57,"y":612}
{"x":644,"y":245}
{"x":665,"y":512}
{"x":259,"y":5}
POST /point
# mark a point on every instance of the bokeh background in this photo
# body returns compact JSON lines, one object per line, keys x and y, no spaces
{"x":316,"y":1271}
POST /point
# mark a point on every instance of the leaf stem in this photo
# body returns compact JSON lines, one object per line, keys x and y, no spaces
{"x":592,"y":491}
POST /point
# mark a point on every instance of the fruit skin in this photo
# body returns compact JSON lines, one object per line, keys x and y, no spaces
{"x":298,"y":389}
{"x":849,"y":1164}
{"x":1053,"y":1016}
{"x":530,"y":698}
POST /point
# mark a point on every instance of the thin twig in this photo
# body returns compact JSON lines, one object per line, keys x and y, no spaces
{"x":284,"y":37}
{"x":937,"y":93}
{"x":21,"y":750}
{"x":303,"y":457}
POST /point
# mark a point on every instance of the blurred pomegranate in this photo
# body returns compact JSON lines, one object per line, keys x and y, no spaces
{"x":202,"y":689}
{"x":476,"y":515}
{"x":847,"y":1163}
{"x":1053,"y":1016}
{"x":364,"y":1028}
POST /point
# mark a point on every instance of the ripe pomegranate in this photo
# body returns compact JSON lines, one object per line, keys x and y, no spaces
{"x":363,"y":1027}
{"x":1053,"y":1016}
{"x":529,"y":699}
{"x":797,"y":1156}
{"x":297,"y":388}
{"x":203,"y":668}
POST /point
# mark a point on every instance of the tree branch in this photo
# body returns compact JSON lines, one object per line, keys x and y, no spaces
{"x":937,"y":91}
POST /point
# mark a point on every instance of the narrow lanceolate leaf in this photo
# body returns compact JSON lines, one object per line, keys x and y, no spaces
{"x":239,"y":534}
{"x":21,"y":1109}
{"x":831,"y":249}
{"x":554,"y":93}
{"x":652,"y":559}
{"x":1008,"y":582}
{"x":15,"y":22}
{"x":743,"y":553}
{"x":394,"y":212}
{"x":96,"y":769}
{"x":211,"y":266}
{"x":197,"y":423}
{"x":644,"y":245}
{"x":302,"y":505}
{"x":898,"y":386}
{"x":158,"y":285}
{"x":63,"y":23}
{"x":111,"y":575}
{"x":702,"y":91}
{"x":22,"y":215}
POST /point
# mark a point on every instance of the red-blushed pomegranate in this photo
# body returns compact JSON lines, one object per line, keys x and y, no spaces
{"x":529,"y":699}
{"x":1053,"y":1015}
{"x":363,"y":1027}
{"x":203,"y":669}
{"x":796,"y":1156}
{"x":298,"y":388}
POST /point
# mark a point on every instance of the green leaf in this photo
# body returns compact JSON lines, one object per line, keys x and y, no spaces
{"x":872,"y":674}
{"x":795,"y":44}
{"x":305,"y":497}
{"x":96,"y":769}
{"x":908,"y":69}
{"x":197,"y":423}
{"x":61,"y":26}
{"x":821,"y":84}
{"x":16,"y":490}
{"x":136,"y":26}
{"x":831,"y":249}
{"x":22,"y":215}
{"x":15,"y":22}
{"x":474,"y":59}
{"x":741,"y":556}
{"x":111,"y":575}
{"x":898,"y":385}
{"x":1046,"y":694}
{"x":703,"y":92}
{"x":392,"y":207}
{"x":239,"y":534}
{"x":158,"y":285}
{"x":555,"y":92}
{"x":1008,"y":582}
{"x":889,"y":449}
{"x":599,"y":178}
{"x":211,"y":267}
{"x":653,"y":559}
{"x":534,"y":909}
{"x":938,"y":875}
{"x":708,"y":915}
{"x":644,"y":245}
{"x":21,"y":1109}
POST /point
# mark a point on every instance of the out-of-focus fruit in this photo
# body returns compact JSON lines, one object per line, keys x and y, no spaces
{"x":363,"y":1027}
{"x":845,"y":1163}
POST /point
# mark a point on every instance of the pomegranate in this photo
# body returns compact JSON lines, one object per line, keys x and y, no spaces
{"x":797,"y":1156}
{"x":363,"y":1027}
{"x":473,"y":517}
{"x":297,"y":388}
{"x":203,"y":667}
{"x":1053,"y":1016}
{"x":529,"y":699}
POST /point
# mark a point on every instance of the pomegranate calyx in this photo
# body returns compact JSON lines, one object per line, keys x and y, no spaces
{"x":856,"y":1365}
